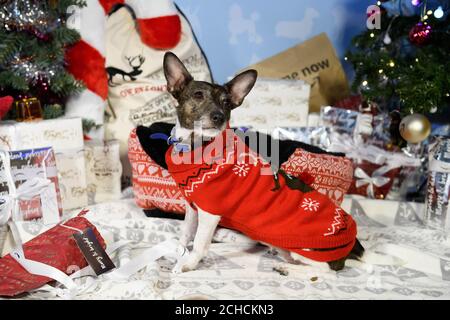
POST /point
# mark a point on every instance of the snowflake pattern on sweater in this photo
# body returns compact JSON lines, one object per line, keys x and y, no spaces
{"x":237,"y":184}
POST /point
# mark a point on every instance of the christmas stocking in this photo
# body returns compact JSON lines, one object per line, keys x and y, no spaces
{"x":159,"y":26}
{"x":86,"y":61}
{"x":158,"y":21}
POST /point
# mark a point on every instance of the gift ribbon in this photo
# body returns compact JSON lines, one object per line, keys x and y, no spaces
{"x":397,"y":160}
{"x":377,"y":179}
{"x":71,"y":289}
{"x":356,"y":149}
{"x":168,"y":248}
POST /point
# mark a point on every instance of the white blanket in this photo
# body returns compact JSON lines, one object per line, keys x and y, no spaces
{"x":238,"y":268}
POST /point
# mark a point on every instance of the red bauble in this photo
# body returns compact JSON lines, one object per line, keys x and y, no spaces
{"x":420,"y":34}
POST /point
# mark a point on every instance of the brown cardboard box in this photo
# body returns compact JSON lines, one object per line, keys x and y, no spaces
{"x":314,"y":61}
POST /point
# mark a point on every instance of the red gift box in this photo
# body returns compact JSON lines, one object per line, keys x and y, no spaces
{"x":372,"y":180}
{"x":56,"y":247}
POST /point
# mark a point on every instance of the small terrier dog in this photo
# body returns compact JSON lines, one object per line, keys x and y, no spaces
{"x":211,"y":105}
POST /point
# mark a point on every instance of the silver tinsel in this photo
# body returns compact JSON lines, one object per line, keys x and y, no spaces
{"x":33,"y":72}
{"x":18,"y":15}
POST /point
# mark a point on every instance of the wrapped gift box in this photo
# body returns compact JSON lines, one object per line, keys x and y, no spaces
{"x":23,"y":166}
{"x":65,"y":136}
{"x":341,"y":120}
{"x":372,"y":180}
{"x":316,"y":136}
{"x":273,"y":103}
{"x":46,"y":248}
{"x":375,"y":169}
{"x":103,"y":170}
{"x":437,"y":214}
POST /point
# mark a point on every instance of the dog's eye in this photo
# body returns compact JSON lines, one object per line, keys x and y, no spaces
{"x":198,"y":95}
{"x":226,"y":102}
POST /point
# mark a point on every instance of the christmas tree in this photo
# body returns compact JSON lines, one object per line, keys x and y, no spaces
{"x":33,"y":40}
{"x":404,"y":64}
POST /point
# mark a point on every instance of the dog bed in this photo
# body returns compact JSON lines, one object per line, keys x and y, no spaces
{"x":154,"y":188}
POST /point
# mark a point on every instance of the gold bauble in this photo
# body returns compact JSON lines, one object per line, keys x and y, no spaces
{"x":415,"y":128}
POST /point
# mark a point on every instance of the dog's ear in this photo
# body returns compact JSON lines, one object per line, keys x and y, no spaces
{"x":176,"y":73}
{"x":241,"y":85}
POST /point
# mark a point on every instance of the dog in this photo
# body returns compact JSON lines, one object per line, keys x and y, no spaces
{"x":210,"y":105}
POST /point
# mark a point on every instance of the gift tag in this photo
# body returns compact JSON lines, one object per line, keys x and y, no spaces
{"x":49,"y":205}
{"x":93,"y":252}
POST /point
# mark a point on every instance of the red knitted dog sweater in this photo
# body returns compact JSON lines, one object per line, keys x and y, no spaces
{"x":226,"y":178}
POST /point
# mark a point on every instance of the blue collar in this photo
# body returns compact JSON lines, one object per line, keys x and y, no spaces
{"x":171,"y":140}
{"x":177,"y":143}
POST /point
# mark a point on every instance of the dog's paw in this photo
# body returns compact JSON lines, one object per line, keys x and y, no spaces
{"x":188,"y":263}
{"x":178,"y":269}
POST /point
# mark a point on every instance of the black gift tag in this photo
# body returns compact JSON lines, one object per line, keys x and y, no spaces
{"x":93,"y":252}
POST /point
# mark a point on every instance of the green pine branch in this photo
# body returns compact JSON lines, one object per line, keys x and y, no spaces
{"x":52,"y":111}
{"x":47,"y":57}
{"x":12,"y":80}
{"x":66,"y":36}
{"x":10,"y":44}
{"x":64,"y":84}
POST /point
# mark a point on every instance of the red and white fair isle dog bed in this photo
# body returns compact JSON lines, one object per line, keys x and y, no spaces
{"x":155,"y":188}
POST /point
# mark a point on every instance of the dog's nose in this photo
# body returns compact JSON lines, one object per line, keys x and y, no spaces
{"x":217,"y":117}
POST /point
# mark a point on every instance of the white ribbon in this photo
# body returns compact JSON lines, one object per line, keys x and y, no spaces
{"x":356,"y":149}
{"x":71,"y":288}
{"x":377,"y":179}
{"x":397,"y":160}
{"x":42,"y":269}
{"x":169,"y":248}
